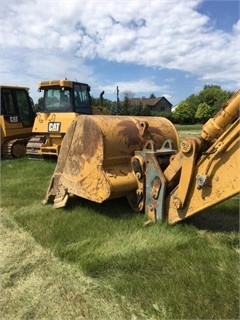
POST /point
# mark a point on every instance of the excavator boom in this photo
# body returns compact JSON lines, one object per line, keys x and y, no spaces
{"x":215,"y":175}
{"x":214,"y":179}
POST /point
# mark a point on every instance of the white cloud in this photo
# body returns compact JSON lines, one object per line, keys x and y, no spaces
{"x":143,"y":86}
{"x":28,"y":67}
{"x":236,"y":28}
{"x":55,"y":37}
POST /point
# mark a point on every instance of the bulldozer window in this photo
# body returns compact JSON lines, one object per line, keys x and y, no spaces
{"x":57,"y":100}
{"x":7,"y":101}
{"x":25,"y":108}
{"x":82,"y":99}
{"x":65,"y":100}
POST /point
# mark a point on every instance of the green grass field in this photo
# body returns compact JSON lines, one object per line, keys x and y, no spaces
{"x":92,"y":261}
{"x":186,"y":131}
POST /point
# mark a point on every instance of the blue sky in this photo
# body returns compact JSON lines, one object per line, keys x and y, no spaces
{"x":170,"y":48}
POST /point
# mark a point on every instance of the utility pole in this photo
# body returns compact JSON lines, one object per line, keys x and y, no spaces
{"x":117,"y":100}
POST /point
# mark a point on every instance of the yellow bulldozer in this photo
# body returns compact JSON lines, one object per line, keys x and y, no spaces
{"x":16,"y":121}
{"x":63,"y":101}
{"x":140,"y":158}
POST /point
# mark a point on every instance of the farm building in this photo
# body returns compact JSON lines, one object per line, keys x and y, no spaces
{"x":156,"y":104}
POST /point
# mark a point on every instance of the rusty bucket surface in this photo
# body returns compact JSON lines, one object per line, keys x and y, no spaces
{"x":95,"y":158}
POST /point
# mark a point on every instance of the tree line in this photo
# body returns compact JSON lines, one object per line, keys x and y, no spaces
{"x":197,"y":108}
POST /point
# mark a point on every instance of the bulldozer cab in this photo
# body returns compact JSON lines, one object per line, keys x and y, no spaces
{"x":16,"y":121}
{"x":66,"y":96}
{"x":63,"y":102}
{"x":17,"y":106}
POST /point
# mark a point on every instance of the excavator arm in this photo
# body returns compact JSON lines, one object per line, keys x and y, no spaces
{"x":205,"y":171}
{"x":216,"y":175}
{"x":213,"y":179}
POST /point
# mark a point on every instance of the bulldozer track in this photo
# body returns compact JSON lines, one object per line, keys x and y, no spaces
{"x":15,"y":148}
{"x":33,"y":147}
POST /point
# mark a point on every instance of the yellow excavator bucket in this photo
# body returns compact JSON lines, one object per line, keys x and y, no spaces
{"x":96,"y":159}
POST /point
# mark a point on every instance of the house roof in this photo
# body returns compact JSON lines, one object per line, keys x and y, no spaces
{"x":147,"y":101}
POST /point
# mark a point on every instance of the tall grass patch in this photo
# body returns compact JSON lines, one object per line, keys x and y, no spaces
{"x":185,"y":271}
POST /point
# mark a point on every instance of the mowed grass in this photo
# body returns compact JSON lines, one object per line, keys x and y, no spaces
{"x":186,"y":131}
{"x":99,"y":261}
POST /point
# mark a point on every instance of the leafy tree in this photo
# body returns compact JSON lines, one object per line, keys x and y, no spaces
{"x":39,"y":105}
{"x":113,"y":108}
{"x":184,"y":113}
{"x":163,"y":114}
{"x":96,"y":102}
{"x":204,"y":112}
{"x":211,"y":96}
{"x":145,"y":111}
{"x":193,"y":100}
{"x":125,"y":106}
{"x":136,"y":110}
{"x":152,"y":96}
{"x":129,"y":94}
{"x":214,"y":96}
